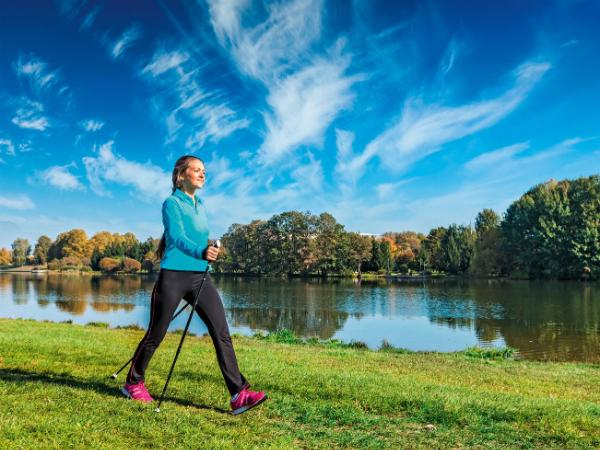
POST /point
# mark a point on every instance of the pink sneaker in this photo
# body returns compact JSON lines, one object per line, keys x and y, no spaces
{"x":137,"y":392}
{"x":245,"y":400}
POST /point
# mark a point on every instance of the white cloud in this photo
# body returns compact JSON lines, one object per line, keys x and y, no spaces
{"x":219,"y":122}
{"x":29,"y":115}
{"x":60,"y":177}
{"x":90,"y":18}
{"x":36,"y":71}
{"x":447,"y":62}
{"x":346,"y":167}
{"x":91,"y":125}
{"x":163,"y":61}
{"x":506,"y":163}
{"x":189,"y":111}
{"x":274,"y":46}
{"x":226,"y":17}
{"x":127,"y":39}
{"x":424,"y":129}
{"x":495,"y":156}
{"x":219,"y":171}
{"x":8,"y":146}
{"x":17,"y":202}
{"x":306,"y":91}
{"x":384,"y":190}
{"x":146,"y":179}
{"x":303,"y":106}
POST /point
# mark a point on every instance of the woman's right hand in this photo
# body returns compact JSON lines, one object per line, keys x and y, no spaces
{"x":211,"y":253}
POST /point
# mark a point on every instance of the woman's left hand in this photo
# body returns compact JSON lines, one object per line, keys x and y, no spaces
{"x":212,"y":253}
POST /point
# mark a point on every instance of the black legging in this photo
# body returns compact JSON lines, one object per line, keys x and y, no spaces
{"x":170,"y":288}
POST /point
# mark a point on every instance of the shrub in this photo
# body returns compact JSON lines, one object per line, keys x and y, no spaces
{"x":54,"y":265}
{"x":97,"y":324}
{"x":109,"y":264}
{"x":131,"y":265}
{"x":70,"y":263}
{"x":490,"y":352}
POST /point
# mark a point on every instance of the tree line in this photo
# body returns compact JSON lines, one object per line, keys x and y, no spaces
{"x":72,"y":250}
{"x":551,"y":231}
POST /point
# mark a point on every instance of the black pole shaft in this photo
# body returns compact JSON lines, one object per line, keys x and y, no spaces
{"x":114,"y":375}
{"x":185,"y":330}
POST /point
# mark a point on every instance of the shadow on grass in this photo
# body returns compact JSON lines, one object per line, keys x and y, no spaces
{"x":20,"y":376}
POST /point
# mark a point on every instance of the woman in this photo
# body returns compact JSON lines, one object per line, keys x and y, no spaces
{"x":185,"y":254}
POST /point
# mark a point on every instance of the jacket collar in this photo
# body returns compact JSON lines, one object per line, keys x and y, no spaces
{"x":186,"y":198}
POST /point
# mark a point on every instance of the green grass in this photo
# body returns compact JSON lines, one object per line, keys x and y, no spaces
{"x":55,"y":393}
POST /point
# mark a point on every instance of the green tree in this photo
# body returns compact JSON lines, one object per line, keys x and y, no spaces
{"x":20,"y":251}
{"x":40,"y":251}
{"x":434,"y":250}
{"x":487,"y":255}
{"x":328,"y":236}
{"x":358,"y":250}
{"x":553,"y":230}
{"x":458,"y":244}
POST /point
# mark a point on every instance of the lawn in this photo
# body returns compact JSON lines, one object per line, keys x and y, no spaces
{"x":56,"y":392}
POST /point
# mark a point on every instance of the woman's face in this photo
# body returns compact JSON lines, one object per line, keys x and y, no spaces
{"x":195,"y":175}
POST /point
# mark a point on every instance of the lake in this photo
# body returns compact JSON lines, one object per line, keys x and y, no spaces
{"x":544,"y":320}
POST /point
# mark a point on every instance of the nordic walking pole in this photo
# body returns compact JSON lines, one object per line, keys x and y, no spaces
{"x":114,"y":375}
{"x":185,"y":330}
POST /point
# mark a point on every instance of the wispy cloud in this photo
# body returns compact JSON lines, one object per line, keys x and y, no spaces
{"x":507,"y":163}
{"x":190,"y":111}
{"x":424,"y":129}
{"x":146,"y":179}
{"x":16,"y":202}
{"x":7,"y":147}
{"x":36,"y":72}
{"x":91,"y":125}
{"x":306,"y":89}
{"x":303,"y":106}
{"x":348,"y":168}
{"x":90,"y":18}
{"x":447,"y":62}
{"x":59,"y":177}
{"x":219,"y":122}
{"x":495,"y":156}
{"x":273,"y":47}
{"x":163,"y":61}
{"x":29,"y":115}
{"x":125,"y":41}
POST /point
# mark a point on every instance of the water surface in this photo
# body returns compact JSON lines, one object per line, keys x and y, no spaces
{"x":543,"y":320}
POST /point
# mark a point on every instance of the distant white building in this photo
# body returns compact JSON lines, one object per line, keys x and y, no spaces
{"x":370,"y":235}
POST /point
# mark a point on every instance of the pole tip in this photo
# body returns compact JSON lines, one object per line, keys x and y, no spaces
{"x":157,"y":410}
{"x":114,"y":376}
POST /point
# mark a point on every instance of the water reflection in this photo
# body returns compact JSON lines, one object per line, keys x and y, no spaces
{"x":544,"y":320}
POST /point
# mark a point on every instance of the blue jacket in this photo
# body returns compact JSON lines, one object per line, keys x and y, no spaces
{"x":186,"y":233}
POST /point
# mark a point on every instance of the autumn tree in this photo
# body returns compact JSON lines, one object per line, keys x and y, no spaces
{"x":131,"y":265}
{"x":109,"y":264}
{"x":71,"y":243}
{"x":6,"y":258}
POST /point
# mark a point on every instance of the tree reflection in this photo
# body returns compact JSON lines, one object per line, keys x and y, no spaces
{"x":73,"y":293}
{"x":308,"y":308}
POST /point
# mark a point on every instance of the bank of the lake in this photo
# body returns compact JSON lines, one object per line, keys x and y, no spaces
{"x":56,"y":393}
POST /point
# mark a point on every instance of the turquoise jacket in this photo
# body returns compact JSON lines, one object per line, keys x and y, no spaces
{"x":186,"y":233}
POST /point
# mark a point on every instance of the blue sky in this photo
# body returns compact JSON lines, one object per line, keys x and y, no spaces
{"x":390,"y":115}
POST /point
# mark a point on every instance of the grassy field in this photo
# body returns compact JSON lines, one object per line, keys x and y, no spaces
{"x":55,"y":392}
